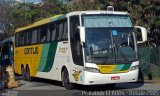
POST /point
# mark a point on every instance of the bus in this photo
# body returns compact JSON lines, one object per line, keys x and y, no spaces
{"x":81,"y":47}
{"x":6,"y":59}
{"x":6,"y":52}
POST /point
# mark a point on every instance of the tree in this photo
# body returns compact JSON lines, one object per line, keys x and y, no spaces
{"x":25,"y":14}
{"x":6,"y":10}
{"x":144,"y":12}
{"x":81,"y":5}
{"x":56,"y":6}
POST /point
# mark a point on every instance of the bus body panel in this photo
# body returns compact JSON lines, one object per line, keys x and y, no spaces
{"x":61,"y":59}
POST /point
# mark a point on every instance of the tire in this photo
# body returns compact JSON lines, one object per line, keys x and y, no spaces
{"x":65,"y":80}
{"x":23,"y":73}
{"x":28,"y":76}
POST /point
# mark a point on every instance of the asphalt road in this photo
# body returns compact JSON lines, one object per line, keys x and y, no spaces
{"x":43,"y":87}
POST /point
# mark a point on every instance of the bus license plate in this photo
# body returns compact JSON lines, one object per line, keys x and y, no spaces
{"x":115,"y":77}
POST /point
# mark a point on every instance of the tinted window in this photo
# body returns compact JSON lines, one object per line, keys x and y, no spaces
{"x":75,"y":41}
{"x":17,"y":37}
{"x":55,"y":31}
{"x":43,"y":34}
{"x":58,"y":30}
{"x":34,"y":36}
{"x":52,"y":29}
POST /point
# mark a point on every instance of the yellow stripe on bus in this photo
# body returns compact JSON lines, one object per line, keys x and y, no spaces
{"x":106,"y":68}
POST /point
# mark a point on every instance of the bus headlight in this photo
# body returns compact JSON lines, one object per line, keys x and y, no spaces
{"x":134,"y":67}
{"x":89,"y":69}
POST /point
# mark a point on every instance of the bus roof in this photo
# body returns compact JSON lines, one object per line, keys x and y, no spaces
{"x":56,"y":17}
{"x":41,"y":22}
{"x":96,"y":12}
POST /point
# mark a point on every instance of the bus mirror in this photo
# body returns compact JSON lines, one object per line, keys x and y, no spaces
{"x":141,"y":34}
{"x":82,"y":34}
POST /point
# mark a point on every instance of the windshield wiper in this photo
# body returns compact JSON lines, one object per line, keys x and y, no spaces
{"x":100,"y":57}
{"x":122,"y":61}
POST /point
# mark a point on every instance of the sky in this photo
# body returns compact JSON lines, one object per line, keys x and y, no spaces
{"x":32,"y":0}
{"x":35,"y":1}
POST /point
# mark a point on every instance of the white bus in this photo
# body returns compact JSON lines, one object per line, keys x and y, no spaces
{"x":83,"y":47}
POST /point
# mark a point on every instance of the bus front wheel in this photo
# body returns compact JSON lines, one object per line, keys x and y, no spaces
{"x":65,"y":80}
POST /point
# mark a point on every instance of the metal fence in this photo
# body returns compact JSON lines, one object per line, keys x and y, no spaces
{"x":149,"y":61}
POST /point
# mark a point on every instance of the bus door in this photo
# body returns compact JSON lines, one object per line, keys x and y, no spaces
{"x":76,"y":48}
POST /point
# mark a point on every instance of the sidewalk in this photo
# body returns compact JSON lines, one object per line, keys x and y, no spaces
{"x":154,"y":81}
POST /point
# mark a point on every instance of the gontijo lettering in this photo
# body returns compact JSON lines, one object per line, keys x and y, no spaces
{"x":32,"y":50}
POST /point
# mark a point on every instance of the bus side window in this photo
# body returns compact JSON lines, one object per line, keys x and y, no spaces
{"x":17,"y":41}
{"x":28,"y":37}
{"x":65,"y":31}
{"x":57,"y":31}
{"x":60,"y":30}
{"x":43,"y":33}
{"x":34,"y":36}
{"x":52,"y":30}
{"x":48,"y":34}
{"x":23,"y":38}
{"x":20,"y":39}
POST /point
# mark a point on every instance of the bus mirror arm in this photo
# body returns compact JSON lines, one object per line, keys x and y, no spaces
{"x":82,"y":34}
{"x":83,"y":44}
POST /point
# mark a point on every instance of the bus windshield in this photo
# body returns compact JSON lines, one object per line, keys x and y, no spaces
{"x":101,"y":20}
{"x":112,"y":43}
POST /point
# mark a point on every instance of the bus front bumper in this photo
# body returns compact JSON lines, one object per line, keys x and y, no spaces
{"x":98,"y":78}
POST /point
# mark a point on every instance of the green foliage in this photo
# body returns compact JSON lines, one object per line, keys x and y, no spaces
{"x":5,"y":19}
{"x":27,"y":13}
{"x":84,"y":5}
{"x":142,"y":11}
